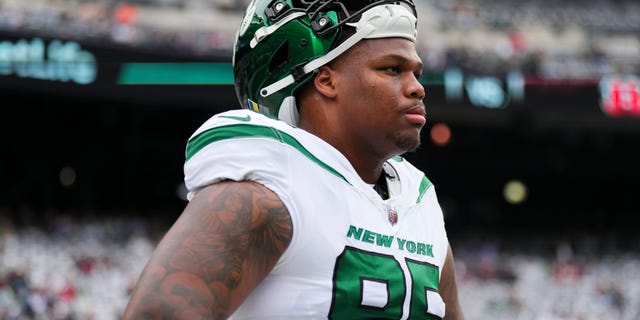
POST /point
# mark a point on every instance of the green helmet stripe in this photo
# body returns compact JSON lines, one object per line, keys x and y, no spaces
{"x":252,"y":131}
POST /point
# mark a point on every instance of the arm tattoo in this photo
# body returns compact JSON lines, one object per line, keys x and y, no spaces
{"x":220,"y":246}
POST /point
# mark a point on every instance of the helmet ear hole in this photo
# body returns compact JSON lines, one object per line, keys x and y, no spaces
{"x":280,"y":57}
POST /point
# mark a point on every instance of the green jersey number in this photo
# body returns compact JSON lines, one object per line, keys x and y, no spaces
{"x":372,"y":285}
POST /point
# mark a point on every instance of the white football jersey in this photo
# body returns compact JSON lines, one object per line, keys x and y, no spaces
{"x":352,"y":255}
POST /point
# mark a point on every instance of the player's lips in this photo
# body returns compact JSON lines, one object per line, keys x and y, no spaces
{"x":416,"y":114}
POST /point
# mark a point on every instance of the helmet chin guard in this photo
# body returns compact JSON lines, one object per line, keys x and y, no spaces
{"x":268,"y":71}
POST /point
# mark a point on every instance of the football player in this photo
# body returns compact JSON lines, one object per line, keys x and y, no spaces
{"x":301,"y":206}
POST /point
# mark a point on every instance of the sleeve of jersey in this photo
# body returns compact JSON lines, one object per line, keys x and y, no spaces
{"x":226,"y":149}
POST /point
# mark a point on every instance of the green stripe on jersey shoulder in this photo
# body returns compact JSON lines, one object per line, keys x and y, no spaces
{"x":424,"y":186}
{"x":251,"y":131}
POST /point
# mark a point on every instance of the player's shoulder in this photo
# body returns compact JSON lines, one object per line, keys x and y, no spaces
{"x":241,"y":128}
{"x":239,"y":117}
{"x":239,"y":123}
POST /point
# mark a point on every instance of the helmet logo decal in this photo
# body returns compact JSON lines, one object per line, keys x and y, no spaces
{"x":263,"y":32}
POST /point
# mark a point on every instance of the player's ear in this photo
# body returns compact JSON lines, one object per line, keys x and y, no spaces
{"x":325,"y":81}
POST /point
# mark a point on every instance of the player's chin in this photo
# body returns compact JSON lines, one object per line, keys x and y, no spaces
{"x":414,"y":147}
{"x":407,"y":141}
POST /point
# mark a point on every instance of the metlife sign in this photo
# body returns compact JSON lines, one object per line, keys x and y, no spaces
{"x":55,"y":60}
{"x":99,"y":72}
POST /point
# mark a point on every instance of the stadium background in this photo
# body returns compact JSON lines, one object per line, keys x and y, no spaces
{"x":531,"y":142}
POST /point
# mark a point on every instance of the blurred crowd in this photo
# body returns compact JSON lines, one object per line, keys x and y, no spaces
{"x":543,"y":38}
{"x":191,"y":28}
{"x":67,"y":269}
{"x":537,"y":277}
{"x":64,"y":268}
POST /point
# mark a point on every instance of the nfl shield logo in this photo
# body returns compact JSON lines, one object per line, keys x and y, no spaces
{"x":393,"y":216}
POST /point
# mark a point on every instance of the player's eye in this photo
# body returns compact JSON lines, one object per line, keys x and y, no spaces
{"x":392,"y":69}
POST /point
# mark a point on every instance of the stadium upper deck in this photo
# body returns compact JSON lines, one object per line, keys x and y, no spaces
{"x":568,"y":39}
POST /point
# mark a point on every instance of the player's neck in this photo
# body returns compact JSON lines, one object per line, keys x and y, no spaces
{"x":366,"y":161}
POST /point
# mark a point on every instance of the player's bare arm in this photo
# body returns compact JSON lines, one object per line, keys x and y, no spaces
{"x":226,"y":241}
{"x":449,"y":289}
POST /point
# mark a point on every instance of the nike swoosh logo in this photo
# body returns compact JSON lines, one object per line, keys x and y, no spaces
{"x":246,"y":118}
